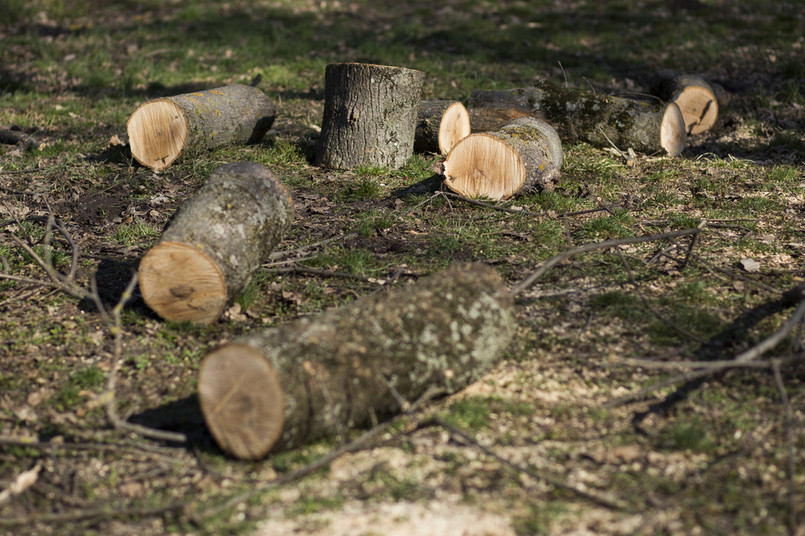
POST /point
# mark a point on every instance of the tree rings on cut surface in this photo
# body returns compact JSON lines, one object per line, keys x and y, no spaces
{"x":162,"y":129}
{"x":370,"y":114}
{"x":695,"y":97}
{"x":440,"y":125}
{"x":216,"y":241}
{"x":525,"y":154}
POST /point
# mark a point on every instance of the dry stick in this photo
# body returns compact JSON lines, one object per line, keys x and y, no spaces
{"x":96,"y":514}
{"x":278,"y":254}
{"x":315,"y":465}
{"x":520,"y":287}
{"x":716,"y":365}
{"x":590,"y":496}
{"x":317,"y":271}
{"x":791,"y":469}
{"x":109,"y":395}
{"x":750,"y":355}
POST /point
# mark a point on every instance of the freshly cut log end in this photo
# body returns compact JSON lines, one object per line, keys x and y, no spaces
{"x":181,"y":282}
{"x":481,"y":165}
{"x":440,"y":125}
{"x":695,"y":96}
{"x":161,"y":130}
{"x":241,"y":398}
{"x":157,"y":134}
{"x":673,"y":133}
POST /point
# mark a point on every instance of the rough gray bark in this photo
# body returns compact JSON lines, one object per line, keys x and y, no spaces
{"x":601,"y":120}
{"x":214,"y":244}
{"x":695,"y":96}
{"x":370,"y":115}
{"x":318,"y":376}
{"x":161,"y":130}
{"x":440,"y":125}
{"x":522,"y":156}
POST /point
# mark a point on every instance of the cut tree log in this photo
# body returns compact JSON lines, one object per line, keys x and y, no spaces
{"x":604,"y":121}
{"x":162,"y":129}
{"x":320,"y":375}
{"x":696,"y":97}
{"x":523,"y":155}
{"x":370,"y":114}
{"x":214,"y":244}
{"x":440,"y":125}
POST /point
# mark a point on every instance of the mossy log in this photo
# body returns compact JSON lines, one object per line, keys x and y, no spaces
{"x":370,"y":114}
{"x":523,"y":155}
{"x":695,"y":96}
{"x":645,"y":126}
{"x":320,"y":375}
{"x":215,"y":242}
{"x":440,"y":125}
{"x":162,"y":129}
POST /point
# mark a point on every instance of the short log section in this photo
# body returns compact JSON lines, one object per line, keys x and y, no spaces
{"x":440,"y":125}
{"x":695,"y":96}
{"x":161,"y":130}
{"x":524,"y":155}
{"x":370,"y":114}
{"x":649,"y":127}
{"x":319,"y":376}
{"x":215,"y":242}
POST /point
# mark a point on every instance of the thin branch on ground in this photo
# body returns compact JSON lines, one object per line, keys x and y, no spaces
{"x":320,"y":272}
{"x":103,"y":512}
{"x":530,"y":280}
{"x":748,"y":356}
{"x":285,"y":253}
{"x":552,"y":481}
{"x":715,"y":366}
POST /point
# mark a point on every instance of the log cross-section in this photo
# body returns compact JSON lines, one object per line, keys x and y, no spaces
{"x":440,"y":125}
{"x":320,"y":375}
{"x":214,"y":244}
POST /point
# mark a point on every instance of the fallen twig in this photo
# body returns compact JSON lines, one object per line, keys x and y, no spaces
{"x":520,"y":287}
{"x":791,"y":467}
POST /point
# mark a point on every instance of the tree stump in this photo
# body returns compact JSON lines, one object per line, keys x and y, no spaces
{"x":524,"y":155}
{"x":440,"y":125}
{"x":318,"y":376}
{"x":370,"y":114}
{"x":214,"y":243}
{"x":645,"y":126}
{"x":162,"y":129}
{"x":695,"y":96}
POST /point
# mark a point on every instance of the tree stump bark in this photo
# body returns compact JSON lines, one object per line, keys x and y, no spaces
{"x":370,"y":114}
{"x":695,"y":96}
{"x":318,"y":376}
{"x":214,"y":244}
{"x":440,"y":125}
{"x":162,"y":129}
{"x":524,"y":155}
{"x":645,"y":126}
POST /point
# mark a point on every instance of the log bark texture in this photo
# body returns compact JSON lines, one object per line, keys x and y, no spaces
{"x":695,"y":96}
{"x":370,"y":114}
{"x":440,"y":125}
{"x":645,"y":126}
{"x":162,"y":129}
{"x":215,"y":242}
{"x":522,"y":156}
{"x":318,"y":376}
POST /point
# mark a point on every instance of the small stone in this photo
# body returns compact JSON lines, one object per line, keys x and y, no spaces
{"x":750,"y":265}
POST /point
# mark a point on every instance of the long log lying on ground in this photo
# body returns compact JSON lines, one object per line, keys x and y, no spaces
{"x":645,"y":126}
{"x":318,"y":376}
{"x":370,"y":115}
{"x":440,"y":125}
{"x":524,"y":155}
{"x":162,"y":129}
{"x":215,"y":243}
{"x":693,"y":94}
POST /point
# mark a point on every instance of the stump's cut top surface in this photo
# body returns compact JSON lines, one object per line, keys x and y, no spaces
{"x":481,"y":165}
